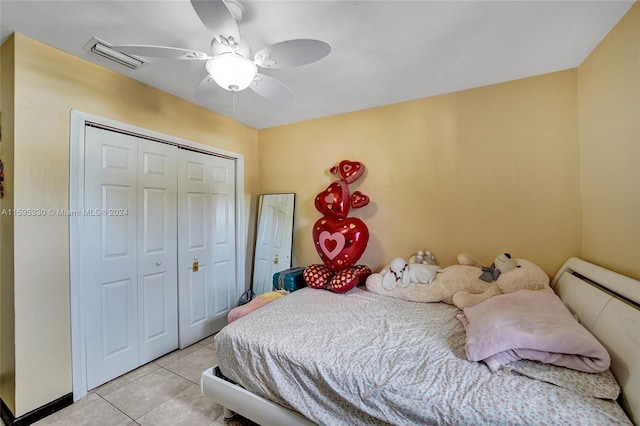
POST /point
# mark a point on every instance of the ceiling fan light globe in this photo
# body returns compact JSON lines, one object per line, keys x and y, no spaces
{"x":231,"y":72}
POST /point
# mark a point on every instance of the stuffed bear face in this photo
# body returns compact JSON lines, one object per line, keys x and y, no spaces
{"x":505,"y":262}
{"x":523,"y":275}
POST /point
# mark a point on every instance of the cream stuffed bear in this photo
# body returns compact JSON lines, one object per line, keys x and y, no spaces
{"x":461,"y":285}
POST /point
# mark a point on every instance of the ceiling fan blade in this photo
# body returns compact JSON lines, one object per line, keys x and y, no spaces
{"x":292,"y":53}
{"x":271,"y":89}
{"x":162,"y":52}
{"x":206,"y":90}
{"x":215,"y":15}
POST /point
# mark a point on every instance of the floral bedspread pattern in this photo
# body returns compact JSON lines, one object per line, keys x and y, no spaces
{"x":388,"y":361}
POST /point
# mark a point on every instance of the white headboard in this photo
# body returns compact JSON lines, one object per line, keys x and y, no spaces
{"x":608,"y":305}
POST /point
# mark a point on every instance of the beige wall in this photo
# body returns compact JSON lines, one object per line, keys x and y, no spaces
{"x":609,"y":91}
{"x":48,"y":84}
{"x":7,"y":323}
{"x":481,"y":171}
{"x":545,"y":167}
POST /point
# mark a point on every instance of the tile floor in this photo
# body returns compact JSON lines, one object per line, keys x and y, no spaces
{"x":163,"y":392}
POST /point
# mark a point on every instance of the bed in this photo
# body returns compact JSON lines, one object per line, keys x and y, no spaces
{"x":315,"y":357}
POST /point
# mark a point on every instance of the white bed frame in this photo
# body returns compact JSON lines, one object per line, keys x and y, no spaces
{"x":607,"y":304}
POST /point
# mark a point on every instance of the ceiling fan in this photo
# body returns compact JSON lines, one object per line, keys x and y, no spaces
{"x":229,"y":66}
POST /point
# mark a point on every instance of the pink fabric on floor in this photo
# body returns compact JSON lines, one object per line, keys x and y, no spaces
{"x":256,"y":303}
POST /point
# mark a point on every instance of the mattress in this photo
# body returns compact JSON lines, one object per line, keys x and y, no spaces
{"x":363,"y":359}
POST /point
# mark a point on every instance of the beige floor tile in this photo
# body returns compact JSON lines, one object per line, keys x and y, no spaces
{"x":91,"y":410}
{"x":178,"y":354}
{"x":208,"y":341}
{"x":149,"y":388}
{"x":121,"y":381}
{"x":189,"y":408}
{"x":181,"y":353}
{"x":147,"y":392}
{"x":191,"y":366}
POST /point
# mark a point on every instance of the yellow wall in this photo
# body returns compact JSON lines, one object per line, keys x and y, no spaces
{"x":545,"y":167}
{"x":48,"y":84}
{"x":481,"y":171}
{"x":609,"y":91}
{"x":7,"y":323}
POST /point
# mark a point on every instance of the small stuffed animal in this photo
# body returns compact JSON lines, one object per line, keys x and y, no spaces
{"x":396,"y":274}
{"x":421,"y":273}
{"x":423,"y":257}
{"x":461,"y":285}
{"x":401,"y":274}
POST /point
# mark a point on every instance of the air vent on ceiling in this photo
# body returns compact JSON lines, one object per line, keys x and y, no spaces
{"x":102,"y":48}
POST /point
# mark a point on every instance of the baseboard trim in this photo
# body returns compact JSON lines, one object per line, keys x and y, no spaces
{"x":33,"y":416}
{"x":5,"y":414}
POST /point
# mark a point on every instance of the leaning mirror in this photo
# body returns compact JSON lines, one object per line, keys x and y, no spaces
{"x":274,"y":239}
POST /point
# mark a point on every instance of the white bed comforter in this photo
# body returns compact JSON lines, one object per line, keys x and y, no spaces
{"x":362,"y":359}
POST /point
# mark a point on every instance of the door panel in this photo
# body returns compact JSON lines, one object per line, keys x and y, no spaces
{"x":110,"y":274}
{"x":224,"y":242}
{"x":154,"y":239}
{"x":197,"y":296}
{"x":157,"y":249}
{"x":206,"y":211}
{"x":221,"y":300}
{"x":194,"y":249}
{"x":197,"y":221}
{"x":116,"y":311}
{"x":116,"y":230}
{"x":154,"y":301}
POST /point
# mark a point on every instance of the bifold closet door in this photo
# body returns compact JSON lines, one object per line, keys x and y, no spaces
{"x":157,"y":250}
{"x":129,"y":277}
{"x":206,"y":244}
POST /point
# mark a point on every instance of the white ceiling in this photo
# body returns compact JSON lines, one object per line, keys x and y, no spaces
{"x":383,"y":52}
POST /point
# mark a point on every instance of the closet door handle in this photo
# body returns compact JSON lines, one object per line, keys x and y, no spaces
{"x":158,"y":263}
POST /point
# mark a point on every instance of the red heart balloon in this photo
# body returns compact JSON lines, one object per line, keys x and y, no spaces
{"x":340,"y":242}
{"x":349,"y":171}
{"x":334,"y":201}
{"x":343,"y":281}
{"x":317,"y":276}
{"x":363,"y":272}
{"x":358,"y":199}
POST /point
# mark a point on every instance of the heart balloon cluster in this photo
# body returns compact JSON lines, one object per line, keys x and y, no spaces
{"x":340,"y":240}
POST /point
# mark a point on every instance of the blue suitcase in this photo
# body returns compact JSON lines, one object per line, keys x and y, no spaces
{"x":290,"y":279}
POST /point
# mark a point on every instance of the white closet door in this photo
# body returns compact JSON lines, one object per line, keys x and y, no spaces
{"x":223,"y":237}
{"x":110,"y":272}
{"x":131,"y":251}
{"x":206,"y":244}
{"x":157,"y":249}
